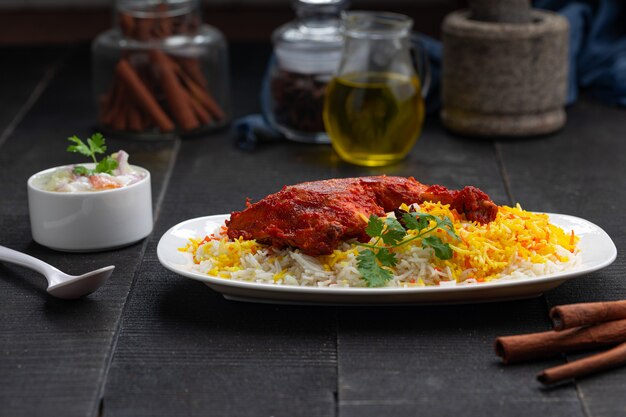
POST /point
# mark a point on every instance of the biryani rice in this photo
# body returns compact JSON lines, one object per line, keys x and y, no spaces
{"x":516,"y":244}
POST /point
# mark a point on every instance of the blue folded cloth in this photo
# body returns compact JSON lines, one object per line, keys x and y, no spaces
{"x":597,"y":47}
{"x":252,"y":129}
{"x":597,"y":63}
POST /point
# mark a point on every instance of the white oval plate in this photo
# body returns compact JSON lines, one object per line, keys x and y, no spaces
{"x":598,"y":251}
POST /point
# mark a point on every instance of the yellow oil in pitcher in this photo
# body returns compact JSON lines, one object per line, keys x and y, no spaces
{"x":373,"y":119}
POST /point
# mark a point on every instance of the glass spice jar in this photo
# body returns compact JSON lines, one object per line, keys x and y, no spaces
{"x":307,"y":53}
{"x":160,"y":72}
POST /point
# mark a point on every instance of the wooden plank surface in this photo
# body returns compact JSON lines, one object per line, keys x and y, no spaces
{"x":53,"y":353}
{"x":581,"y":171}
{"x":25,"y":73}
{"x":439,"y":361}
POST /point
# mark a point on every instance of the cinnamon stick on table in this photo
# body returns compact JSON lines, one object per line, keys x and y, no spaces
{"x":612,"y":358}
{"x":581,"y":314}
{"x":546,"y":344}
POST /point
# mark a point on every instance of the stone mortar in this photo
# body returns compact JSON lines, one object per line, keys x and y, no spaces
{"x":504,"y":79}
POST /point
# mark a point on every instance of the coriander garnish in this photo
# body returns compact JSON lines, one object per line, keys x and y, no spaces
{"x":95,"y":145}
{"x":374,"y":263}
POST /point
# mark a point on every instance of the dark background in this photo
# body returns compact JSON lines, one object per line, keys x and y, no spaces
{"x":27,"y":22}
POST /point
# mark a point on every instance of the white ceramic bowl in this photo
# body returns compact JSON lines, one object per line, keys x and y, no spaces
{"x":90,"y":220}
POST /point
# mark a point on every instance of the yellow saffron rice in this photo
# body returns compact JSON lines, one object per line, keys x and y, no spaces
{"x":516,"y":244}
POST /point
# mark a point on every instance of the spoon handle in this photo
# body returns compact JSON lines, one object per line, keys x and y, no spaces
{"x":19,"y":258}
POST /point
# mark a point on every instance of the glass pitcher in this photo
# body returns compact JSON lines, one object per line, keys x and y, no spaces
{"x":374,"y":106}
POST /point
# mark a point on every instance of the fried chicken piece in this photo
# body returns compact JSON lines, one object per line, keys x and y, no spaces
{"x":317,"y":216}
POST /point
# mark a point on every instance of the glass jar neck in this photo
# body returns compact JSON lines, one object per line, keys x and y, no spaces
{"x":376,"y":42}
{"x":361,"y":55}
{"x":319,"y":18}
{"x":318,"y":10}
{"x":155,"y":20}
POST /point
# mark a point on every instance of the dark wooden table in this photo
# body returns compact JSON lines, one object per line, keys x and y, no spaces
{"x":151,"y":343}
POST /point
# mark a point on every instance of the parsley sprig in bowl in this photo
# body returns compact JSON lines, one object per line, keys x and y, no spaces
{"x":95,"y":145}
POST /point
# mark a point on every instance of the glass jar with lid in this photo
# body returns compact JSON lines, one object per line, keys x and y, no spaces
{"x":307,"y":53}
{"x":160,"y":72}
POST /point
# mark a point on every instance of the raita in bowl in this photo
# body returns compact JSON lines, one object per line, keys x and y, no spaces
{"x":91,"y":207}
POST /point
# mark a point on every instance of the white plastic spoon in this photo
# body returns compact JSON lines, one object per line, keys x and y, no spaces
{"x":60,"y":284}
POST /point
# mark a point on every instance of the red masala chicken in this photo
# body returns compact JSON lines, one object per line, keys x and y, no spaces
{"x":317,"y":216}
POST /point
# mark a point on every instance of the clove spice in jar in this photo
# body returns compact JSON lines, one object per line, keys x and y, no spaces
{"x":299,"y":100}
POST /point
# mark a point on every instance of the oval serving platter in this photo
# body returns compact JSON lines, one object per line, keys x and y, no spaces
{"x":598,"y":251}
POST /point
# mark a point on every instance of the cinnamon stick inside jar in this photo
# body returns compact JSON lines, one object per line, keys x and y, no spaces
{"x":174,"y":91}
{"x":582,"y":314}
{"x":142,"y":95}
{"x":547,"y":344}
{"x":161,"y":86}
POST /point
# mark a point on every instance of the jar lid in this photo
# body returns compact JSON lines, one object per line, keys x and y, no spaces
{"x":308,"y":61}
{"x":313,"y":42}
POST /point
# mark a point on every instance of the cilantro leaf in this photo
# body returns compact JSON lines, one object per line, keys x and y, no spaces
{"x":81,"y":170}
{"x":374,"y":226}
{"x":442,"y":250}
{"x":79,"y":147}
{"x":410,"y":222}
{"x":394,"y":233}
{"x":426,"y":218}
{"x":96,"y":143}
{"x":386,"y":258}
{"x":107,"y":165}
{"x":447,"y":225}
{"x":373,"y":274}
{"x":374,"y":263}
{"x":415,"y":221}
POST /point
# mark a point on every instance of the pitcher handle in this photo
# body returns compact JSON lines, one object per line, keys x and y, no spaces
{"x":421,"y":62}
